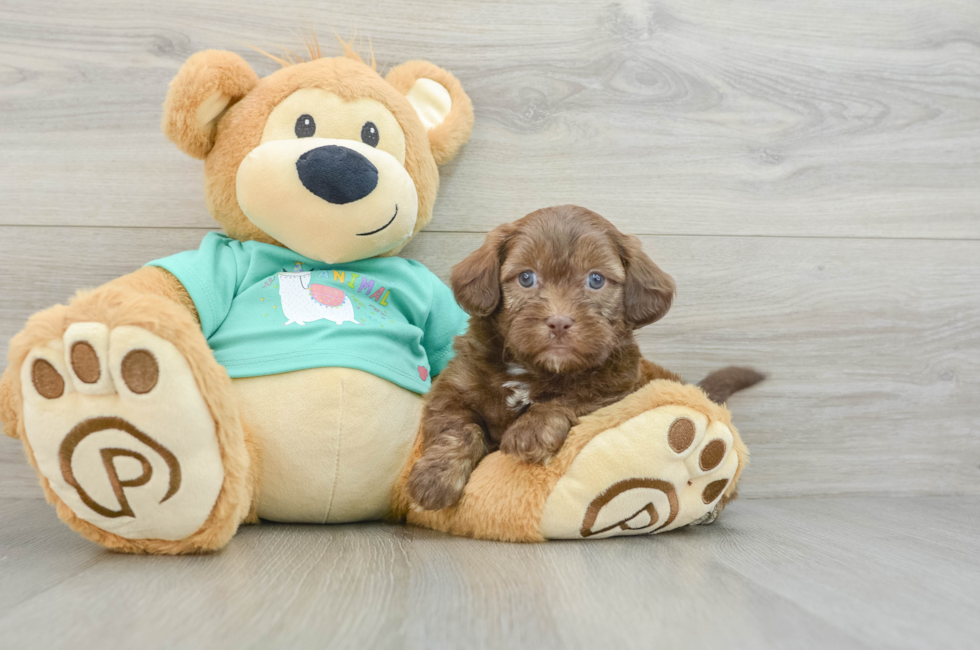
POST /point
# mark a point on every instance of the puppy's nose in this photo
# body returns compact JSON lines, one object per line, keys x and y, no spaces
{"x":559,"y":324}
{"x":337,"y":174}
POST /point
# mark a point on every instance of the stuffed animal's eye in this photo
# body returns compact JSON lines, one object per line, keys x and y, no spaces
{"x":369,"y":134}
{"x":527,"y":279}
{"x":596,"y":280}
{"x":305,"y":126}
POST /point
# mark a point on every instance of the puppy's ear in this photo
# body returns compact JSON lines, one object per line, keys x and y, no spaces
{"x":442,"y":105}
{"x":648,"y":291}
{"x":476,"y":280}
{"x":205,"y":86}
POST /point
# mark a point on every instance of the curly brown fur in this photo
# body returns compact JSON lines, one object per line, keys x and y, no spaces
{"x":537,"y":357}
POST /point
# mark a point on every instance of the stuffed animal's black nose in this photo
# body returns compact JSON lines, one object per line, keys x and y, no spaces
{"x":337,"y":174}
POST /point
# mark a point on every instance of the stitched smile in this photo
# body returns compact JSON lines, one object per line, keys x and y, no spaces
{"x":364,"y":234}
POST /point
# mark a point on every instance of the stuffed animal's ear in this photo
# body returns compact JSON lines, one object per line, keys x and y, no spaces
{"x":476,"y":280}
{"x":438,"y":98}
{"x":205,"y":86}
{"x":647,"y":291}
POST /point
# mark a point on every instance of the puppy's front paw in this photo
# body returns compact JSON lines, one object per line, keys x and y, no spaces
{"x":534,"y":438}
{"x":437,"y":483}
{"x":439,"y":476}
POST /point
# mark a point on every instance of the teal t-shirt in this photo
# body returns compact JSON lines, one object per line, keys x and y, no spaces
{"x":265,"y":309}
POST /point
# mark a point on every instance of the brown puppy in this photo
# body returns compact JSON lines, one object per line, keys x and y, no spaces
{"x":553,"y":300}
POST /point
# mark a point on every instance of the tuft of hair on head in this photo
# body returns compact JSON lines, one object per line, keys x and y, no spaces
{"x":351,"y":53}
{"x":281,"y":61}
{"x":312,"y":44}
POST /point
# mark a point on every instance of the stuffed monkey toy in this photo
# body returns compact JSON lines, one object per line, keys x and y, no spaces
{"x":278,"y":371}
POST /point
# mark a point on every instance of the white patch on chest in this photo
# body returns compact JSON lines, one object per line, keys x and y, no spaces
{"x":520,"y":392}
{"x":520,"y":395}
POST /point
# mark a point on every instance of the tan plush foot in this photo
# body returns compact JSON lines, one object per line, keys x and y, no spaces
{"x":119,"y":429}
{"x":663,"y":469}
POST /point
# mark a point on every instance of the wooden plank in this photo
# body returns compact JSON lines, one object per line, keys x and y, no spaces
{"x":871,"y":345}
{"x":37,"y":551}
{"x":797,"y":573}
{"x":755,"y":118}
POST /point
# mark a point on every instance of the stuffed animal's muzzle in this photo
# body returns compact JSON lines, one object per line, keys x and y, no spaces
{"x":330,"y":200}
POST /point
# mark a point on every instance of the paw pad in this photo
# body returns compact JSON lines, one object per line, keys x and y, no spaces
{"x":140,"y":371}
{"x":85,"y":362}
{"x":712,"y":490}
{"x":47,"y":381}
{"x":663,"y":469}
{"x":120,"y":430}
{"x":712,"y":455}
{"x":681,"y":434}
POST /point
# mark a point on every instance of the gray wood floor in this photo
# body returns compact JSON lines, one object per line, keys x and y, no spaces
{"x":836,"y":572}
{"x":808,"y":171}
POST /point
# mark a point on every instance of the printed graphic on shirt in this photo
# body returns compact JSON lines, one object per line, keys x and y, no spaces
{"x":307,"y":296}
{"x":304,"y":303}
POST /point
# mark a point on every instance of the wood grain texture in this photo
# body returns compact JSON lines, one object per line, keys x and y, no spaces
{"x":871,"y":345}
{"x":793,"y":573}
{"x":823,"y":118}
{"x":808,"y":171}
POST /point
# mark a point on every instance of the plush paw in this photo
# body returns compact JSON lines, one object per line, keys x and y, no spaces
{"x":119,"y":429}
{"x":663,"y":469}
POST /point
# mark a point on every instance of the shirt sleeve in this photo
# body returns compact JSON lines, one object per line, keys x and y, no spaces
{"x":211,"y":275}
{"x":446,"y":321}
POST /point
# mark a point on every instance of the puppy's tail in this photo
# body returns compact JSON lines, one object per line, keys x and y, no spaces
{"x":720,"y":384}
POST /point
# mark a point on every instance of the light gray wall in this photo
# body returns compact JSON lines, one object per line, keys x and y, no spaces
{"x":808,"y":172}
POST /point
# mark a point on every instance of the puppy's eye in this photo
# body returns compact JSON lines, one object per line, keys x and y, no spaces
{"x":527,"y":279}
{"x":369,"y":134}
{"x":596,"y":280}
{"x":305,"y":126}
